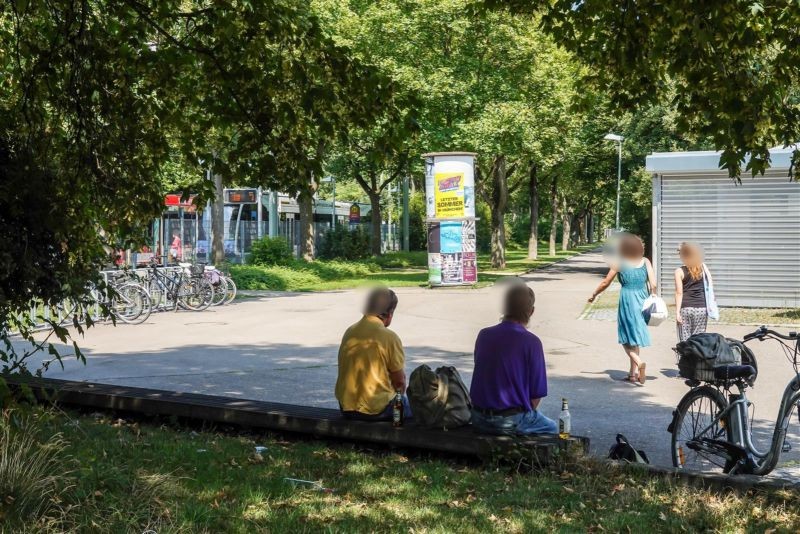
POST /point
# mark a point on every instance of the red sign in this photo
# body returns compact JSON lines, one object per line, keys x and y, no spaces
{"x":175,"y":200}
{"x":355,"y":214}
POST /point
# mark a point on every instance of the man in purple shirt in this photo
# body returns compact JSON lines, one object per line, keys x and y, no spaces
{"x":510,"y":377}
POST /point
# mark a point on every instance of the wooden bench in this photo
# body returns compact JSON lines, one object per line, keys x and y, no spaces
{"x":318,"y":422}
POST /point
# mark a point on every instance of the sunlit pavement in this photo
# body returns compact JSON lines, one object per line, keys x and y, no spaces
{"x":282,"y":347}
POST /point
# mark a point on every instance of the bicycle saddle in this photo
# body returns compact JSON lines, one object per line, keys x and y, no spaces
{"x":732,"y":372}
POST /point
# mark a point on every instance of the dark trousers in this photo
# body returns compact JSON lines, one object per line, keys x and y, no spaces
{"x":385,"y":415}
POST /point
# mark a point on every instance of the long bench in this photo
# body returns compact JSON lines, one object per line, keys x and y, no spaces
{"x":318,"y":422}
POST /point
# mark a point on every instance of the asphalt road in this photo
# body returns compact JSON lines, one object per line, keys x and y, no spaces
{"x":282,"y":347}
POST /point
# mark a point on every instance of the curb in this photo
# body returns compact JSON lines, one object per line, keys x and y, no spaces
{"x":712,"y":481}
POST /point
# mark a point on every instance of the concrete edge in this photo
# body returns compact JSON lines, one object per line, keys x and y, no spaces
{"x":712,"y":481}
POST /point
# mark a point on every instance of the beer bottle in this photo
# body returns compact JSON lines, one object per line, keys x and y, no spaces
{"x":564,"y":421}
{"x":397,"y":410}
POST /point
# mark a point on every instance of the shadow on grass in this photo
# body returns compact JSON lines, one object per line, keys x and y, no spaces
{"x":789,"y":314}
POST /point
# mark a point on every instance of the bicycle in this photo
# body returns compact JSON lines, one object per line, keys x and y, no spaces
{"x":126,"y":299}
{"x":186,"y":288}
{"x":711,"y":431}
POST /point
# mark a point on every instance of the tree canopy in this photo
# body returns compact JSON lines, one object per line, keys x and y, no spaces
{"x":730,"y":69}
{"x":96,"y":97}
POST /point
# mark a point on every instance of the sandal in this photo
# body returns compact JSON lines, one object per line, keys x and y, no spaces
{"x":642,"y":372}
{"x":633,"y":379}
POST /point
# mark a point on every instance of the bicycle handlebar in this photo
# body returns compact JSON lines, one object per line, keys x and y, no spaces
{"x":763,"y":332}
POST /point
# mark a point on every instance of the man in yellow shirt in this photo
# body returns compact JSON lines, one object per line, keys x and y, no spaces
{"x":371,"y":362}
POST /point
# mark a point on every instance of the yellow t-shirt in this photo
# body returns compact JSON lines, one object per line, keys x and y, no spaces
{"x":368,"y":353}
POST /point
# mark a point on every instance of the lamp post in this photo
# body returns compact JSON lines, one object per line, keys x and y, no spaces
{"x":618,"y":139}
{"x":332,"y":180}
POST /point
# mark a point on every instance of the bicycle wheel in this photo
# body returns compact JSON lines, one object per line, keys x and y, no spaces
{"x":220,"y":292}
{"x":146,"y":303}
{"x":196,"y":294}
{"x":696,"y":411}
{"x":230,"y":291}
{"x":128,"y":303}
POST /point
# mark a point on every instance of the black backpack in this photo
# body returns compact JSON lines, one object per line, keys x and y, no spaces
{"x":623,"y":450}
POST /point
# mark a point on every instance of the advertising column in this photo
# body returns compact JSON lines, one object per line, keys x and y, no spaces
{"x":450,"y":211}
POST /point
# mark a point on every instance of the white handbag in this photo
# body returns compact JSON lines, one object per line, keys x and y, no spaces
{"x":654,"y":310}
{"x":711,"y":300}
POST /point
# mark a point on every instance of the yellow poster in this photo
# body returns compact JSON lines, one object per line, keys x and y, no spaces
{"x":449,"y":194}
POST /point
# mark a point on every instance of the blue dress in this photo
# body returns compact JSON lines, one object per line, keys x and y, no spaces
{"x":631,"y":328}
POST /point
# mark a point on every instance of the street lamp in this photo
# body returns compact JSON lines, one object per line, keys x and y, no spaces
{"x":618,"y":139}
{"x":332,"y":180}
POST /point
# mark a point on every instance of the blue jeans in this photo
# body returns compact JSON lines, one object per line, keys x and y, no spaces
{"x":385,"y":415}
{"x":524,"y":423}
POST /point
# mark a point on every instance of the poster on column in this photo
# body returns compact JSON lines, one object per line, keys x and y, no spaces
{"x":430,"y":206}
{"x":470,"y":268}
{"x":468,"y":236}
{"x":434,"y":238}
{"x":452,"y":269}
{"x":450,"y":237}
{"x":449,"y":194}
{"x":434,"y":268}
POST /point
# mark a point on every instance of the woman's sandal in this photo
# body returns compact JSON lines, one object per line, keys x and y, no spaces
{"x":633,"y":379}
{"x":642,"y":372}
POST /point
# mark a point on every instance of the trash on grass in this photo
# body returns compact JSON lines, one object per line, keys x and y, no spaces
{"x":260,"y":449}
{"x":311,"y":484}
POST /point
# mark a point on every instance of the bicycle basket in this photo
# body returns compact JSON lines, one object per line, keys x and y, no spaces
{"x":747,"y":356}
{"x":196,"y":270}
{"x":701,"y":353}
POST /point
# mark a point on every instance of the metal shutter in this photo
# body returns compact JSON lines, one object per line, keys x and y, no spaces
{"x":750,"y":234}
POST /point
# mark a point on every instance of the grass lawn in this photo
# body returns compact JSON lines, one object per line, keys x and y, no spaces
{"x":131,"y":477}
{"x":396,"y":269}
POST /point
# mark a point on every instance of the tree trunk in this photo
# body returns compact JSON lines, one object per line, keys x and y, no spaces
{"x":582,"y":239}
{"x":375,"y":213}
{"x":306,"y":205}
{"x":553,"y":215}
{"x":533,"y":194}
{"x":590,"y":227}
{"x":218,"y":222}
{"x":499,"y":203}
{"x":566,"y":225}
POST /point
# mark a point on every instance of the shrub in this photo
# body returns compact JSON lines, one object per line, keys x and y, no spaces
{"x":345,"y":244}
{"x":270,"y":251}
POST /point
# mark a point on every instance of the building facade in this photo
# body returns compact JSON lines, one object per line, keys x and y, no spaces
{"x":750,"y":232}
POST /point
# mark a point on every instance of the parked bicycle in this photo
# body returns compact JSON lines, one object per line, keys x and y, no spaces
{"x":711,"y":428}
{"x":224,"y":286}
{"x":128,"y":300}
{"x":186,"y":287}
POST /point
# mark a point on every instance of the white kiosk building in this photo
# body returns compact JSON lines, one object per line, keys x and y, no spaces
{"x":750,"y":231}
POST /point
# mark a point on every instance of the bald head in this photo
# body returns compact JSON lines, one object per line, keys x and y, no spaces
{"x":518,"y":305}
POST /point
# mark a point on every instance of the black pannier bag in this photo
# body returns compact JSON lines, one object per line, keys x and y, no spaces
{"x":698,"y":355}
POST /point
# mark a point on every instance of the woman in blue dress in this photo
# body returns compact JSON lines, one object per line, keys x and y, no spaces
{"x":638,"y":280}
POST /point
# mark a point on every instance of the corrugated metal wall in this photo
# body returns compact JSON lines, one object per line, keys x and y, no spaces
{"x":750,"y":233}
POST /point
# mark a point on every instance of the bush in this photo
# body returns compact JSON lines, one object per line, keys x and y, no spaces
{"x":270,"y":251}
{"x":345,"y":244}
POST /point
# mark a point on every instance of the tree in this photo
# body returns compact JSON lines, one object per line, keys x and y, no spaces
{"x":487,"y":83}
{"x":97,"y":94}
{"x":733,"y":66}
{"x":375,"y":158}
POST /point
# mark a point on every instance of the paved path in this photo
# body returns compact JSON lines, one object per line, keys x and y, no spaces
{"x":282,"y":347}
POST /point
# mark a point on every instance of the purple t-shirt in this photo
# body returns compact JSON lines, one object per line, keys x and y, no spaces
{"x":509,"y":368}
